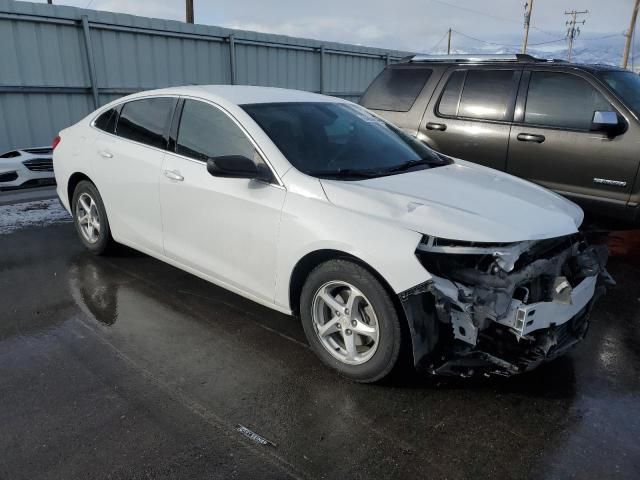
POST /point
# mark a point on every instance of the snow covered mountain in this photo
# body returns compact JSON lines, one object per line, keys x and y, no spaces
{"x":605,"y":49}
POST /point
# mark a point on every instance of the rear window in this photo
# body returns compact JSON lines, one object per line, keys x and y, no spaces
{"x":146,"y":121}
{"x":395,"y":89}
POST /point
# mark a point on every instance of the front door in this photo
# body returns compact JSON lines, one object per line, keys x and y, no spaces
{"x":471,"y":117}
{"x":552,"y":143}
{"x":225,"y":228}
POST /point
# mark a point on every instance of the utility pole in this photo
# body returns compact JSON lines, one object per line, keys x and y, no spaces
{"x":572,"y":31}
{"x":189,"y":5}
{"x":527,"y":20}
{"x":629,"y":34}
{"x":449,"y":43}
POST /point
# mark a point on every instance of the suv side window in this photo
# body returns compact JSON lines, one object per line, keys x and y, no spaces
{"x":107,"y":121}
{"x":206,"y":131}
{"x":562,"y":100}
{"x":396,"y":89}
{"x":480,"y":94}
{"x":146,"y":120}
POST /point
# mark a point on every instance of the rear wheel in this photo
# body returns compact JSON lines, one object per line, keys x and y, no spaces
{"x":90,"y":218}
{"x":350,"y":320}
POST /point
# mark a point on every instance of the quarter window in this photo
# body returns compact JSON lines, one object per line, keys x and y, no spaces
{"x":395,"y":89}
{"x":562,"y":100}
{"x":146,"y":120}
{"x":107,"y":121}
{"x":206,"y":132}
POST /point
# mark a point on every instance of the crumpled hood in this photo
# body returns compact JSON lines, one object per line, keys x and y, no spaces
{"x":461,"y":201}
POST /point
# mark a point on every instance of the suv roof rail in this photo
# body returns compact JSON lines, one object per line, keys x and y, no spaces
{"x":474,"y":58}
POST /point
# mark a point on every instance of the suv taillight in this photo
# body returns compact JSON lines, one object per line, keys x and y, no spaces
{"x":55,"y":143}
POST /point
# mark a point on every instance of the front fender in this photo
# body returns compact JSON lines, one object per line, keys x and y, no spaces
{"x":310,"y":224}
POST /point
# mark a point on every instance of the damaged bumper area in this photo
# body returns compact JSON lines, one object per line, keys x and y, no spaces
{"x":502,"y":308}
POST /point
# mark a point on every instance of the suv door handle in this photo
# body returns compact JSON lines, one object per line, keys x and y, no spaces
{"x":530,"y":137}
{"x":173,"y":175}
{"x":436,"y":126}
{"x":105,"y":154}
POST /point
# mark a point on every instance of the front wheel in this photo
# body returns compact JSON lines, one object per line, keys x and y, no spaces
{"x":350,"y":320}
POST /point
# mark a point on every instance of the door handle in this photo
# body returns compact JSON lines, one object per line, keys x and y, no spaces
{"x":105,"y":154}
{"x":530,"y":137}
{"x":173,"y":175}
{"x":436,"y":126}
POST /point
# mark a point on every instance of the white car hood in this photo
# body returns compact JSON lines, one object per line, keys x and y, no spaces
{"x":461,"y":201}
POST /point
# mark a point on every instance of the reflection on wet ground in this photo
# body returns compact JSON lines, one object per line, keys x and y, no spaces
{"x":625,"y":245}
{"x":127,"y":367}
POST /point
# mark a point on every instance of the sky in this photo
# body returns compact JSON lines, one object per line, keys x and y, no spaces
{"x":409,"y":25}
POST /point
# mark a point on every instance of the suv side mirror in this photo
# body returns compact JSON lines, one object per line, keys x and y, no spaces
{"x":238,"y":166}
{"x":607,"y":122}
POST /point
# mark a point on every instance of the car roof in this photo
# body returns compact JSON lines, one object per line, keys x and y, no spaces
{"x":241,"y":94}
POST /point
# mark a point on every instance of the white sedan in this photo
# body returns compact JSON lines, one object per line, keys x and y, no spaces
{"x":313,"y":206}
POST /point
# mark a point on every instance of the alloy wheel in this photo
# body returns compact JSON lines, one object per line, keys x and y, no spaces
{"x":345,"y":322}
{"x":88,"y":218}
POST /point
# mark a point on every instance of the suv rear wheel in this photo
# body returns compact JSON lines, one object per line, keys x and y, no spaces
{"x":350,"y":320}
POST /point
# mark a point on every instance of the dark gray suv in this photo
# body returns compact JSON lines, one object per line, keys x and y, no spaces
{"x":573,"y":128}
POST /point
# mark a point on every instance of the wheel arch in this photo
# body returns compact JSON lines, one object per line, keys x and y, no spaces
{"x":73,"y":182}
{"x":311,"y":260}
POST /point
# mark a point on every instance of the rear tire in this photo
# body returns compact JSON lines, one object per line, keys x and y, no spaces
{"x":90,"y":219}
{"x":350,"y":321}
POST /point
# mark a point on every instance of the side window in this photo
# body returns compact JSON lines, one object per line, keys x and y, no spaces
{"x":395,"y":89}
{"x":481,"y":94}
{"x":562,"y":100}
{"x":146,"y":120}
{"x":489,"y":94}
{"x":206,"y":131}
{"x":451,"y":95}
{"x":107,"y":121}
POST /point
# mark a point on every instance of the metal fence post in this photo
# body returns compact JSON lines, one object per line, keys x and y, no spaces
{"x":232,"y":58}
{"x":387,"y":59}
{"x":90,"y":63}
{"x":322,"y":67}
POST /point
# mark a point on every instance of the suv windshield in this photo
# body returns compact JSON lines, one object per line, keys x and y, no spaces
{"x":627,"y":87}
{"x":339,"y":140}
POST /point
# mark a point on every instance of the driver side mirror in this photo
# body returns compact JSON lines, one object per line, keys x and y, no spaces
{"x":238,"y":166}
{"x":607,"y":122}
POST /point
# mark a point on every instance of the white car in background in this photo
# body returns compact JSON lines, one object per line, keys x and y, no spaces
{"x":26,"y":167}
{"x":313,"y":206}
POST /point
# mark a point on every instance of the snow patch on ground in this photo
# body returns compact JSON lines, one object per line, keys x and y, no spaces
{"x":40,"y":213}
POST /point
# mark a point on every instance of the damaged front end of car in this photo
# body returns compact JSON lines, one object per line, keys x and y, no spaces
{"x":502,"y":308}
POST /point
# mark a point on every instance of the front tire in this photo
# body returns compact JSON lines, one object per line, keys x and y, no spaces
{"x":90,"y":219}
{"x":350,"y":320}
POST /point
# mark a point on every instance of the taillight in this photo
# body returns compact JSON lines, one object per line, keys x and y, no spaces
{"x":55,"y":143}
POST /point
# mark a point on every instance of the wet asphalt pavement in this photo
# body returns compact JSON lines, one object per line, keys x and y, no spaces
{"x":124,"y":367}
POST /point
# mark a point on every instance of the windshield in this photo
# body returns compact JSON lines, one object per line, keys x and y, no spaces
{"x":627,"y":87}
{"x":340,"y":140}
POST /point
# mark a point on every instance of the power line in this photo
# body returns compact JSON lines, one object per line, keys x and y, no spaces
{"x":507,"y":44}
{"x":440,"y":41}
{"x":480,"y":12}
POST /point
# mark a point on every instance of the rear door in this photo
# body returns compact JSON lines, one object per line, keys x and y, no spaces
{"x":551,"y":142}
{"x":471,"y":116}
{"x":127,"y":166}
